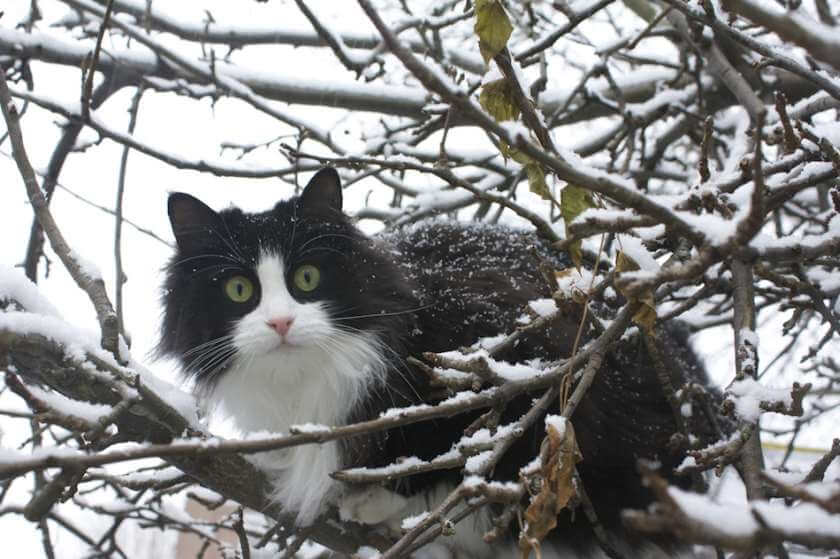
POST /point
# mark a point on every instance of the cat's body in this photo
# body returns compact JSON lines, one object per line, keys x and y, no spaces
{"x":293,"y":317}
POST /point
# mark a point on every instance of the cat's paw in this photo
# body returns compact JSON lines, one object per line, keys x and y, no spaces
{"x":373,"y":505}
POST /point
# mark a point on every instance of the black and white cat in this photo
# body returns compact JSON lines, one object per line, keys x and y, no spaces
{"x":293,"y":316}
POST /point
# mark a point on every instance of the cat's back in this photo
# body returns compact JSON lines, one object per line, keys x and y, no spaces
{"x":434,"y":247}
{"x":471,"y":279}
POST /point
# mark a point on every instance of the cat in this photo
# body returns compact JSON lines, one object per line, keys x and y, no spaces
{"x":293,"y":316}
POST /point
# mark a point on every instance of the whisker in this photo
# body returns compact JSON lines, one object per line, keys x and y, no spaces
{"x":395,"y":313}
{"x":294,"y":230}
{"x":230,"y":243}
{"x":215,"y":341}
{"x":316,"y":249}
{"x":211,"y":363}
{"x":396,"y":361}
{"x":206,"y":255}
{"x":210,"y":350}
{"x":324,"y":236}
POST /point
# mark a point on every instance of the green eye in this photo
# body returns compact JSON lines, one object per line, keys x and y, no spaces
{"x":307,"y":277}
{"x":239,"y":289}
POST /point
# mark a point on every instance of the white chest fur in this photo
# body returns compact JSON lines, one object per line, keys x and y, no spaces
{"x":316,"y":373}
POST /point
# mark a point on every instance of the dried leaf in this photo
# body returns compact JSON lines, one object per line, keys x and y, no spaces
{"x":624,"y":263}
{"x":559,"y":453}
{"x":536,"y":181}
{"x":492,"y":26}
{"x":645,"y":317}
{"x":574,"y":200}
{"x":534,"y":171}
{"x":497,"y":99}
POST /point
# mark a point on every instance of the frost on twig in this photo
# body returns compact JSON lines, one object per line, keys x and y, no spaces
{"x":759,"y":524}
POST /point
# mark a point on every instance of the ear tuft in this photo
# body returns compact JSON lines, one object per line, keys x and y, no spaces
{"x":323,"y":191}
{"x":192,"y":220}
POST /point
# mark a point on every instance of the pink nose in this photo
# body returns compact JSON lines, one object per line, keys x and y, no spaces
{"x":281,"y":325}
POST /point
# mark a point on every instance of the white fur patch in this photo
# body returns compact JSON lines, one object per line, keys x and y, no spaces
{"x":372,"y":505}
{"x":315,"y":374}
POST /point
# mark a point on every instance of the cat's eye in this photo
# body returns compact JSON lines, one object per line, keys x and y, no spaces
{"x":239,"y":289}
{"x":307,"y":277}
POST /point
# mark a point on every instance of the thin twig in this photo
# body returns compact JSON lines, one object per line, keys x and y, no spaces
{"x":88,"y":280}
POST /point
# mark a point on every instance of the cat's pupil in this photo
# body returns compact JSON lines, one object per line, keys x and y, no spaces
{"x":307,"y":277}
{"x":239,"y":288}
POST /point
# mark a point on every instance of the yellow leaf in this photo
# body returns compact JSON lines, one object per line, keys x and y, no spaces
{"x":624,"y":263}
{"x":492,"y":26}
{"x":645,"y":317}
{"x":574,"y":200}
{"x":513,"y":153}
{"x":536,"y":181}
{"x":497,"y":99}
{"x":533,"y":170}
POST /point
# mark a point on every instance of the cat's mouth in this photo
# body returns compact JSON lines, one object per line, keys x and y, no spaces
{"x":284,"y":345}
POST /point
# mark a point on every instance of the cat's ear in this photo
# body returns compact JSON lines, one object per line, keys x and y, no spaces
{"x":192,"y":221}
{"x":323,"y":191}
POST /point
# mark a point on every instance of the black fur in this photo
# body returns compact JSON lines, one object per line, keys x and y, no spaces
{"x":431,"y":287}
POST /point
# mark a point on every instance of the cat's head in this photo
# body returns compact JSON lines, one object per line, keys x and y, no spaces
{"x":280,"y":292}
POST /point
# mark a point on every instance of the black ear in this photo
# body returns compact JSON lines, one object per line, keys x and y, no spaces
{"x":193,"y":221}
{"x":323,"y":191}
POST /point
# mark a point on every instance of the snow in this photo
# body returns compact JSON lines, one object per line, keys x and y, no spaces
{"x":749,"y":336}
{"x":516,"y":132}
{"x":407,"y":410}
{"x":410,"y":522}
{"x":766,"y":243}
{"x":573,"y":281}
{"x":633,"y":247}
{"x":472,"y":481}
{"x":365,"y":552}
{"x":16,"y":286}
{"x":477,"y":482}
{"x":508,"y":371}
{"x":801,"y":519}
{"x":309,"y":428}
{"x":543,"y":307}
{"x":443,"y":197}
{"x":9,"y":456}
{"x":79,"y":343}
{"x":168,"y":473}
{"x":76,"y":342}
{"x":88,"y":267}
{"x":749,"y":394}
{"x":483,"y":436}
{"x":556,"y":422}
{"x":603,"y":215}
{"x":90,"y":412}
{"x":824,"y":280}
{"x":477,"y":463}
{"x":715,"y":228}
{"x":183,"y":402}
{"x":689,"y":461}
{"x":514,"y":371}
{"x":730,"y":518}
